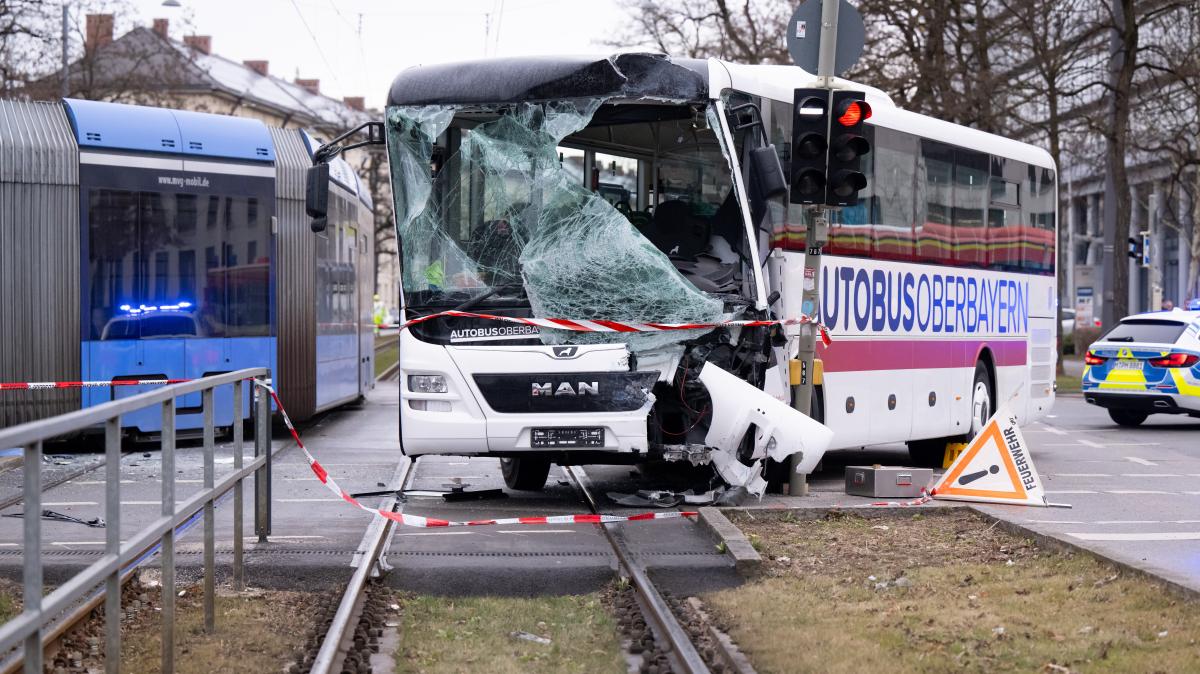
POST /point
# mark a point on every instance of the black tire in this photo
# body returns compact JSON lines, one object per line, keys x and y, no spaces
{"x":927,"y":453}
{"x":525,"y":473}
{"x":1127,"y":418}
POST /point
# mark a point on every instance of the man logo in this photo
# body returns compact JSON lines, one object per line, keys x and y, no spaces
{"x":585,"y":388}
{"x":565,"y":351}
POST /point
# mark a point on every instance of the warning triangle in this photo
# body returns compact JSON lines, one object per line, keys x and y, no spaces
{"x":994,"y":468}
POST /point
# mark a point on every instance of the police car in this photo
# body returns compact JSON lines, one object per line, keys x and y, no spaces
{"x":1147,"y":364}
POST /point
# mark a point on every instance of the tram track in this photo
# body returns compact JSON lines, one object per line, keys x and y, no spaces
{"x":354,"y":630}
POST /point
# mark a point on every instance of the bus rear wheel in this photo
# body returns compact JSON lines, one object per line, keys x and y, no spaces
{"x":525,"y":473}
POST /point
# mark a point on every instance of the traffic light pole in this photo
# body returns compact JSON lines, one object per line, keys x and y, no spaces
{"x":816,"y":234}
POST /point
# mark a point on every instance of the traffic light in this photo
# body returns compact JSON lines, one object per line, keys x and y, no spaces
{"x":810,"y":130}
{"x":847,"y":145}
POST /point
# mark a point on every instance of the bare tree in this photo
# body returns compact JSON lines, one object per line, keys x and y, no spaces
{"x":22,"y":26}
{"x":746,"y":31}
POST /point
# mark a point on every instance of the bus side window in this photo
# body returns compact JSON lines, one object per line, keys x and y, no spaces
{"x":935,"y":240}
{"x":970,"y":202}
{"x":893,"y":194}
{"x":1007,"y":229}
{"x":1040,"y":213}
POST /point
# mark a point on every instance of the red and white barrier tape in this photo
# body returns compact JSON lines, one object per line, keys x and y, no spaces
{"x":427,"y":522}
{"x":39,"y":385}
{"x":596,"y":325}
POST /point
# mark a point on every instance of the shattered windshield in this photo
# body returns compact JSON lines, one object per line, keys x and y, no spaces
{"x":577,"y":209}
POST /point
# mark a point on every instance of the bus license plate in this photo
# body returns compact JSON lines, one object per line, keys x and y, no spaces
{"x":567,"y":437}
{"x":1126,"y":364}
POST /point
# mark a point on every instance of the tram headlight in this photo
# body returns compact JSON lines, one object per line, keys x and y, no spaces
{"x":427,"y":383}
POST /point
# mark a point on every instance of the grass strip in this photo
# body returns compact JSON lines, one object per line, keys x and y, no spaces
{"x":459,"y":634}
{"x":255,"y":632}
{"x":944,"y":591}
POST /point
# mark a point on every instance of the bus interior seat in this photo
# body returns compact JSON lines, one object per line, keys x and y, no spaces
{"x":703,"y":258}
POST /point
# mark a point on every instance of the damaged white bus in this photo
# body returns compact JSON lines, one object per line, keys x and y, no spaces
{"x":618,"y":193}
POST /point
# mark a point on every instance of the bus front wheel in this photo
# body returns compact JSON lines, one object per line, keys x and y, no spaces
{"x":525,"y":473}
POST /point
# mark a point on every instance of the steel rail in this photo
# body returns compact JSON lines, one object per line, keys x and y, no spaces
{"x":682,"y":652}
{"x":339,"y":637}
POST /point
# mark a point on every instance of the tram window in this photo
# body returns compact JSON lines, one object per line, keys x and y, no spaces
{"x":893,"y":197}
{"x":935,"y":241}
{"x":143,"y":275}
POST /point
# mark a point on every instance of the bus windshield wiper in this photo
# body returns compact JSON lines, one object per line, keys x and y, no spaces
{"x":483,"y":296}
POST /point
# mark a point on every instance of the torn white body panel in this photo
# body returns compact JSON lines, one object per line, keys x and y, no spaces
{"x":779,"y":430}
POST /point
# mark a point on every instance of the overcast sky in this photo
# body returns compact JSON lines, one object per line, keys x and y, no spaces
{"x":394,"y":34}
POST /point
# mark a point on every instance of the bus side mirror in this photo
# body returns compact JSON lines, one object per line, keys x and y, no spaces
{"x":316,"y":196}
{"x":766,"y":175}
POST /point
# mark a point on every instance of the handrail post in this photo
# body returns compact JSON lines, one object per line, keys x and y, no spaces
{"x":32,"y":598}
{"x":209,"y":526}
{"x":239,"y":578}
{"x":112,"y":531}
{"x":262,"y":447}
{"x":168,"y":539}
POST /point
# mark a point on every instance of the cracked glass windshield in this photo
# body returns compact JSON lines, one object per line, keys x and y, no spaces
{"x":576,"y":209}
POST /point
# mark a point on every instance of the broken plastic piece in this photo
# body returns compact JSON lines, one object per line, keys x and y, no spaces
{"x":779,"y":429}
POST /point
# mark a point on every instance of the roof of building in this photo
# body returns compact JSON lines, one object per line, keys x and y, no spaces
{"x":188,"y":69}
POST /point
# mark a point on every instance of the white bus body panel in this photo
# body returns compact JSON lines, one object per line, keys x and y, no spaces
{"x":883,"y":346}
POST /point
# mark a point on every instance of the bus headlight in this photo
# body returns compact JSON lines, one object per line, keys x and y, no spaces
{"x":427,"y":383}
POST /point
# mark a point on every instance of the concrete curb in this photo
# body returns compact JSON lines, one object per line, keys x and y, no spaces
{"x":746,"y":559}
{"x":1062,"y":545}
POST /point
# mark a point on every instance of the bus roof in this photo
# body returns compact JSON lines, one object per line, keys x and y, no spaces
{"x":544,"y":78}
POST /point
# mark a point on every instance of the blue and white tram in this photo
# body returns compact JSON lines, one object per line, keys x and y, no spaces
{"x":188,"y":254}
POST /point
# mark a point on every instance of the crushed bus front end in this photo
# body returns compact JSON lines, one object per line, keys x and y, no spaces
{"x":559,"y":220}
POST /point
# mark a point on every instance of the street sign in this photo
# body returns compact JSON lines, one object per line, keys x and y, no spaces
{"x":804,"y":36}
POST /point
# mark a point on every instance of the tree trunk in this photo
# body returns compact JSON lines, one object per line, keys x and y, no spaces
{"x":1117,"y":202}
{"x":1193,"y":274}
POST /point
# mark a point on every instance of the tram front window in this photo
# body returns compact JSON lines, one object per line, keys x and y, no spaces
{"x":169,"y":265}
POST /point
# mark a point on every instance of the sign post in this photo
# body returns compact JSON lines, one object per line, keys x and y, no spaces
{"x":841,"y":37}
{"x":814,"y":240}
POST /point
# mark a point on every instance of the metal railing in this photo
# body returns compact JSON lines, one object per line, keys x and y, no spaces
{"x":119,"y":560}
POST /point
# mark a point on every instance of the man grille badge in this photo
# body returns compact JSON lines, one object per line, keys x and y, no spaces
{"x":565,"y":351}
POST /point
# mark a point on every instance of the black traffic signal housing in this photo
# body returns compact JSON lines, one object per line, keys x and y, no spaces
{"x":847,"y":144}
{"x":1134,"y":248}
{"x":810,"y":133}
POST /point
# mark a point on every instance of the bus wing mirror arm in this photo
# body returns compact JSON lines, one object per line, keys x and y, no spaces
{"x":333,"y":148}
